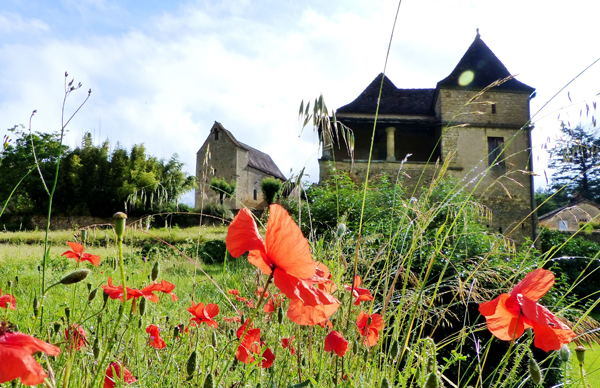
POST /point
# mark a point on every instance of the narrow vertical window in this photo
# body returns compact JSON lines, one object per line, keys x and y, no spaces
{"x":495,"y":149}
{"x":494,"y":109}
{"x":216,"y":135}
{"x":255,"y":195}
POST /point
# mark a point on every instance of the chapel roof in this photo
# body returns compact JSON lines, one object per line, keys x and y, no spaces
{"x":256,"y":159}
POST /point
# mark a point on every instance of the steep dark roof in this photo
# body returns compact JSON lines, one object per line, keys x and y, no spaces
{"x":393,"y":100}
{"x":486,"y":68}
{"x":256,"y":159}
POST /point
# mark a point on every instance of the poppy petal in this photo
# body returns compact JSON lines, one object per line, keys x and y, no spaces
{"x":243,"y":235}
{"x":335,"y":342}
{"x":76,"y":247}
{"x":286,"y":246}
{"x":256,"y":258}
{"x":535,"y":284}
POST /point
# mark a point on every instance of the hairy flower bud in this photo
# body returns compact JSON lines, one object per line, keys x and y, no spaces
{"x":67,"y":313}
{"x":84,"y":235}
{"x":432,"y":381}
{"x":36,"y":307}
{"x":385,"y":383}
{"x":191,"y":364}
{"x":120,"y":220}
{"x":534,"y":371}
{"x":354,"y":347}
{"x":564,"y":353}
{"x":142,"y":306}
{"x":56,"y":327}
{"x":75,"y":276}
{"x":96,"y":348}
{"x":279,"y":315}
{"x":341,"y":230}
{"x":176,"y":331}
{"x":213,"y":339}
{"x":92,"y":295}
{"x":208,"y":382}
{"x":155,"y":271}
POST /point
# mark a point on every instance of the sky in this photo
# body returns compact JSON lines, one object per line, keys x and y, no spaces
{"x":162,"y":72}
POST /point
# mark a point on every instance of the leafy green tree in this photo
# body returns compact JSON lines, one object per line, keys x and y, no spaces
{"x":271,"y":189}
{"x":576,"y":163}
{"x":222,"y":188}
{"x":548,"y":200}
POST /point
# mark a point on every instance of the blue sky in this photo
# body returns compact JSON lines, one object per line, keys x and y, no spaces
{"x":161,"y":72}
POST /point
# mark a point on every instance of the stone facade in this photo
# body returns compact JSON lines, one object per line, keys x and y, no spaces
{"x":223,"y":156}
{"x":484,"y":132}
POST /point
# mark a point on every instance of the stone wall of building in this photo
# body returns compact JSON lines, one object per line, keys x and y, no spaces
{"x":224,"y":166}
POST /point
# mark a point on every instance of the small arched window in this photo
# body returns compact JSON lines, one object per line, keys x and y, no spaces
{"x":255,"y":195}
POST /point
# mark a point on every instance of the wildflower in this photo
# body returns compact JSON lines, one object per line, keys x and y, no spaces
{"x":359,"y":294}
{"x":285,"y":253}
{"x":231,"y":320}
{"x":155,"y":341}
{"x":509,"y":315}
{"x":16,"y":351}
{"x":369,"y":327}
{"x":241,"y":299}
{"x":234,"y":292}
{"x":335,"y":342}
{"x":126,"y":376}
{"x":204,"y":314}
{"x":8,"y":301}
{"x":76,"y":336}
{"x":168,"y":288}
{"x":251,"y":345}
{"x":273,"y":303}
{"x":260,"y":291}
{"x":116,"y":292}
{"x":77,"y":254}
{"x":287,"y":342}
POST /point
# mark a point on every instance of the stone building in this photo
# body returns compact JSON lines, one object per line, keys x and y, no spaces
{"x":484,"y":130}
{"x":571,"y":217}
{"x":223,"y":156}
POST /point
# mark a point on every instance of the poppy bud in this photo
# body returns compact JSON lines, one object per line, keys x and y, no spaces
{"x":166,"y":319}
{"x":259,"y":385}
{"x":580,"y":353}
{"x":36,"y":307}
{"x":355,"y":347}
{"x":279,"y":315}
{"x":105,"y":297}
{"x":140,"y":323}
{"x":208,"y":382}
{"x":56,"y":327}
{"x":231,"y":333}
{"x":432,"y":381}
{"x":75,"y":276}
{"x":369,"y":321}
{"x":155,"y":270}
{"x":341,"y":230}
{"x":67,"y":313}
{"x":119,"y":219}
{"x":89,"y":286}
{"x":10,"y":284}
{"x":366,"y":355}
{"x":176,"y":331}
{"x":16,"y":280}
{"x":534,"y":371}
{"x":394,"y":350}
{"x":385,"y":383}
{"x":304,"y":361}
{"x":242,"y":319}
{"x":564,"y":353}
{"x":142,"y":306}
{"x":84,"y":234}
{"x":214,"y":339}
{"x":191,"y":364}
{"x":92,"y":295}
{"x":96,"y":348}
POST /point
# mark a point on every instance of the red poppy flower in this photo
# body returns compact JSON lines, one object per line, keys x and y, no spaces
{"x":287,"y":342}
{"x":155,"y":341}
{"x":204,"y":314}
{"x":274,"y":302}
{"x":250,"y":347}
{"x":285,"y":253}
{"x":114,"y":292}
{"x":8,"y":301}
{"x":359,"y":294}
{"x":326,"y":323}
{"x":76,"y":336}
{"x":241,"y":299}
{"x":509,"y":315}
{"x":126,"y":376}
{"x":16,"y":351}
{"x":168,"y":288}
{"x":336,"y":343}
{"x":231,"y":320}
{"x":233,"y":292}
{"x":77,"y":254}
{"x":369,"y":330}
{"x":259,"y":292}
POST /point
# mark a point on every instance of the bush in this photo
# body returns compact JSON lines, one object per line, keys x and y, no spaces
{"x":214,"y":251}
{"x":221,"y":212}
{"x":271,"y":189}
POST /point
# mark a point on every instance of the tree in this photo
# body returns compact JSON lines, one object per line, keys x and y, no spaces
{"x":221,"y":187}
{"x":271,"y":189}
{"x":576,"y":163}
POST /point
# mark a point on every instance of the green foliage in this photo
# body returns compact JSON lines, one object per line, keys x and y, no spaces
{"x":218,"y":211}
{"x":271,"y":189}
{"x":92,"y":180}
{"x":548,"y":200}
{"x":222,"y":188}
{"x":214,"y":252}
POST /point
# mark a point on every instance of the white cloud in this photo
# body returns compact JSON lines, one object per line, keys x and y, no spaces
{"x":12,"y":23}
